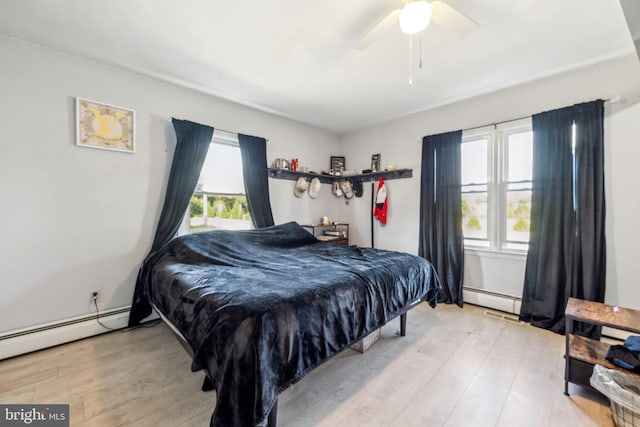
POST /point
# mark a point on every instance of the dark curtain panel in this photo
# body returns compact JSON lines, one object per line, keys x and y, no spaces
{"x":566,"y":255}
{"x":552,"y":228}
{"x":256,"y":179}
{"x":590,"y":248}
{"x":192,"y":143}
{"x":441,"y":240}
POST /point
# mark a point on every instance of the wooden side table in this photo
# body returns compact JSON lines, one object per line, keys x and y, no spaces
{"x":337,"y":234}
{"x":582,"y":353}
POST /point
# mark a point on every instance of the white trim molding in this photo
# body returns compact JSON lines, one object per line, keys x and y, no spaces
{"x":14,"y":343}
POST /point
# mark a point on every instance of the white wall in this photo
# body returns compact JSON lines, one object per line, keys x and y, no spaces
{"x":397,"y":141}
{"x":75,"y":219}
{"x":622,"y":135}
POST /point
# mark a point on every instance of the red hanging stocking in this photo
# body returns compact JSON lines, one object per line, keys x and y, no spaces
{"x":380,"y":208}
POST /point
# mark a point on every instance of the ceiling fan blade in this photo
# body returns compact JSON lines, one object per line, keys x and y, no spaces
{"x":450,"y":19}
{"x":375,"y":32}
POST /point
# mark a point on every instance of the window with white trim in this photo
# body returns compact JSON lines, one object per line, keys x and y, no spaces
{"x":496,"y":186}
{"x":219,"y":200}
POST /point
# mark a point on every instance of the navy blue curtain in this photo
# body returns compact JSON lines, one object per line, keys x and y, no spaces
{"x":566,"y":256}
{"x":590,"y":252}
{"x":552,"y":228}
{"x":192,"y":143}
{"x":256,"y":179}
{"x":441,"y":240}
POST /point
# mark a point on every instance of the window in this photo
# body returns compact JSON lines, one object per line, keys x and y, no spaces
{"x":517,"y":189}
{"x":219,"y":201}
{"x":496,"y":186}
{"x":475,"y":190}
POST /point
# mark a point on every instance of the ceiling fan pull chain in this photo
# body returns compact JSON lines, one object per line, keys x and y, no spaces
{"x":420,"y":66}
{"x":410,"y":60}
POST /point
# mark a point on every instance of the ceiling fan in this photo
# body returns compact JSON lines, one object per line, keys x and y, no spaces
{"x":415,"y":16}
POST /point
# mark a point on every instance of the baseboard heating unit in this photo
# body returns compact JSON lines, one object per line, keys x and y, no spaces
{"x":14,"y":343}
{"x":494,"y":300}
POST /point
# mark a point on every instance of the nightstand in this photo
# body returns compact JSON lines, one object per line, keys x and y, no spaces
{"x":336,"y":234}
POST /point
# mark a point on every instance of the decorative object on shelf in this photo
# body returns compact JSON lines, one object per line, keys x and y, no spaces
{"x":293,"y":165}
{"x":300,"y":187}
{"x":324,"y":220}
{"x":390,"y":168}
{"x":104,"y":126}
{"x":337,"y":165}
{"x":314,"y":188}
{"x":375,"y":162}
{"x":280,"y":164}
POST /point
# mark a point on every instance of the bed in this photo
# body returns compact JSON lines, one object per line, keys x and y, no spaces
{"x":259,"y":309}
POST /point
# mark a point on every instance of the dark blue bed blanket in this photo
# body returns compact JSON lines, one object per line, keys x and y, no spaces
{"x":262,"y":308}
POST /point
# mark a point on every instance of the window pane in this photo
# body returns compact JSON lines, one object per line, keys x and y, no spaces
{"x":474,"y":215}
{"x":474,"y":161}
{"x":219,"y":201}
{"x":520,"y":156}
{"x":222,"y":170}
{"x":224,"y":211}
{"x":518,"y":215}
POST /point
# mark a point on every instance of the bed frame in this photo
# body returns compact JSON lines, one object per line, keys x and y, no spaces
{"x":208,"y":384}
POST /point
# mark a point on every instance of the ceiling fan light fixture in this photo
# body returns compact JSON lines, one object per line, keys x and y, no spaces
{"x":415,"y":16}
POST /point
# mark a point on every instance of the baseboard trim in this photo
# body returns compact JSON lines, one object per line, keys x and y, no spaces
{"x":15,"y":343}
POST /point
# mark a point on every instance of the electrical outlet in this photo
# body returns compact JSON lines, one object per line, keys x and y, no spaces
{"x":94,"y":297}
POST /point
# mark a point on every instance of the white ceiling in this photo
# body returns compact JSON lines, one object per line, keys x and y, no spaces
{"x":296,"y":58}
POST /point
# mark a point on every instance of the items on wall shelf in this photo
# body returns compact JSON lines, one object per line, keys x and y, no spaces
{"x":330,"y":179}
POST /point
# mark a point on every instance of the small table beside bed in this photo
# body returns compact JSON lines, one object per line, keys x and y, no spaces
{"x":259,"y":309}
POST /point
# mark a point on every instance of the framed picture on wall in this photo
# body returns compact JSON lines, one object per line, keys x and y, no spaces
{"x":337,"y":164}
{"x":375,"y":162}
{"x":104,"y":126}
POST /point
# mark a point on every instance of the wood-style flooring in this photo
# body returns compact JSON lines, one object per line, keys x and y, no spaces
{"x":455,"y":367}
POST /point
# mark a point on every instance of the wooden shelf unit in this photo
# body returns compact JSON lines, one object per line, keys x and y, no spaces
{"x":330,"y":179}
{"x":582,"y":352}
{"x":318,"y":230}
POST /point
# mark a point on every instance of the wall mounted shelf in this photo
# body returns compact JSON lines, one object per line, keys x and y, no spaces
{"x":329,"y":179}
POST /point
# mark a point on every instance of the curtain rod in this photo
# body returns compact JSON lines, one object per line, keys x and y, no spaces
{"x":495,"y":124}
{"x":609,"y":100}
{"x":613,"y":100}
{"x":214,"y":128}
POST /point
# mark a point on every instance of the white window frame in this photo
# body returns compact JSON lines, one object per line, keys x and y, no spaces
{"x":504,"y":131}
{"x":475,"y":135}
{"x":222,"y":138}
{"x":497,"y":167}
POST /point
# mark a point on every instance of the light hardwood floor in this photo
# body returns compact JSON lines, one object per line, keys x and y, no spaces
{"x":455,"y":367}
